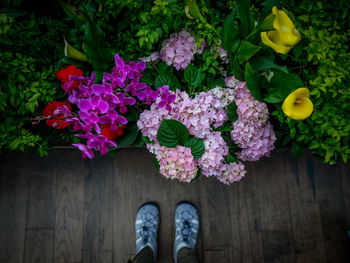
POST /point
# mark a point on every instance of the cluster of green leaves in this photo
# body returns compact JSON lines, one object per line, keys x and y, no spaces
{"x":28,"y":51}
{"x":250,"y":60}
{"x":323,"y":62}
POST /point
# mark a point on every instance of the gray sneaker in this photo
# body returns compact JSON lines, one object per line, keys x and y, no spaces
{"x":146,"y":226}
{"x":187,"y":225}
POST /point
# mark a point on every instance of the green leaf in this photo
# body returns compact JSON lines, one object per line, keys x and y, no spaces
{"x":226,"y":127}
{"x":265,"y":62}
{"x":156,"y":163}
{"x":132,"y":115}
{"x":252,"y":82}
{"x":232,"y":112}
{"x":13,"y":12}
{"x":245,"y":16}
{"x":100,"y":57}
{"x":237,"y":70}
{"x":274,"y":98}
{"x":167,"y":78}
{"x":192,"y":75}
{"x":231,"y":156}
{"x":246,"y":51}
{"x":267,"y":25}
{"x":229,"y":32}
{"x":267,"y":8}
{"x":298,"y":149}
{"x":172,"y":133}
{"x":145,"y":139}
{"x":197,"y":176}
{"x":129,"y":136}
{"x":197,"y":147}
{"x":284,"y":83}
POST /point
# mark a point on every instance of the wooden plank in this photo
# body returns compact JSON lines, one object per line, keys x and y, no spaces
{"x":332,"y":209}
{"x":307,"y":232}
{"x":13,"y":204}
{"x":98,"y":228}
{"x":124,"y":205}
{"x":41,"y":191}
{"x":246,"y":236}
{"x":69,"y":208}
{"x":40,"y":247}
{"x":216,"y":255}
{"x":277,"y":246}
{"x":216,"y":217}
{"x":39,"y":240}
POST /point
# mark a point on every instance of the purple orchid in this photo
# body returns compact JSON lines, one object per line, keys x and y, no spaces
{"x":77,"y":124}
{"x":90,"y":121}
{"x":166,"y":98}
{"x":94,"y":104}
{"x":114,"y":119}
{"x":98,"y":143}
{"x":106,"y":92}
{"x":148,"y":95}
{"x":124,"y":101}
{"x":135,"y":86}
{"x":85,"y":150}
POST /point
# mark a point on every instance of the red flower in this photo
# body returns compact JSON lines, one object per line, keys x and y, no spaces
{"x":64,"y":74}
{"x":49,"y":112}
{"x":112,"y":135}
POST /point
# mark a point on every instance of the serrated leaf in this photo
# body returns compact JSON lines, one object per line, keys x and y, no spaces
{"x":172,"y":133}
{"x":167,"y":78}
{"x":192,"y":75}
{"x":197,"y":147}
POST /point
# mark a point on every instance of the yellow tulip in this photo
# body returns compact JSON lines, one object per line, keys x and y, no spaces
{"x":284,"y":37}
{"x":297,"y":105}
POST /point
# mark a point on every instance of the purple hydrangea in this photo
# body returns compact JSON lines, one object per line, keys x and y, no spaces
{"x":179,"y":50}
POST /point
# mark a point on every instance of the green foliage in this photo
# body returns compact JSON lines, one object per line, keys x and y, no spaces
{"x":197,"y":147}
{"x":28,"y":51}
{"x":323,"y":62}
{"x":172,"y":133}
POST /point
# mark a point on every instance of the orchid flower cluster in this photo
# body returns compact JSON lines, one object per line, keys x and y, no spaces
{"x":100,"y":106}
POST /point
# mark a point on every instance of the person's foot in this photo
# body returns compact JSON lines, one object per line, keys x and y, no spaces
{"x":146,"y":226}
{"x":187,"y":225}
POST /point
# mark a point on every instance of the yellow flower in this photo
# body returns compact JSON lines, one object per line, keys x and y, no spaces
{"x":297,"y":105}
{"x":284,"y":37}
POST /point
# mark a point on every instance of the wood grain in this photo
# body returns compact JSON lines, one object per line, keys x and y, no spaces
{"x":64,"y":209}
{"x":69,"y":208}
{"x":98,"y":227}
{"x":13,"y":206}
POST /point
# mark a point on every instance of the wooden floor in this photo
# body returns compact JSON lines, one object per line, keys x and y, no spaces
{"x":65,"y":209}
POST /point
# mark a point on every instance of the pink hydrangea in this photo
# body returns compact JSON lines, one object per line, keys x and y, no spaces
{"x":232,"y":172}
{"x":199,"y":115}
{"x":178,"y":50}
{"x":177,"y":163}
{"x":252,"y":132}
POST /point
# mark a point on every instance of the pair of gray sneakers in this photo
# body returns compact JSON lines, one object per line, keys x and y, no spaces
{"x":147,"y":223}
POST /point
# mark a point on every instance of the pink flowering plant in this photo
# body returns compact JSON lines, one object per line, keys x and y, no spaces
{"x":210,"y":134}
{"x":103,"y":109}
